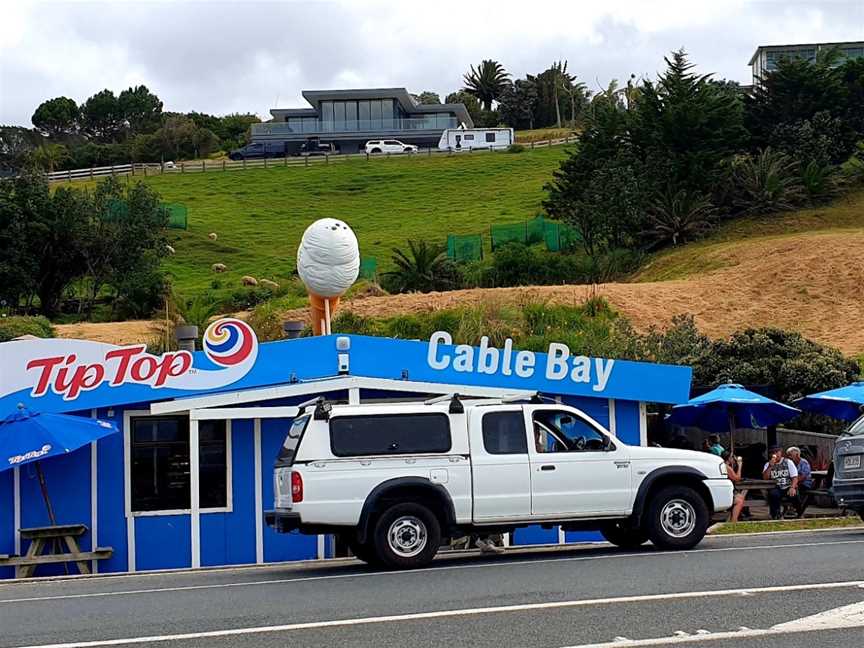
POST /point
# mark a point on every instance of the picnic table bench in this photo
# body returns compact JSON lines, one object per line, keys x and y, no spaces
{"x":49,"y":537}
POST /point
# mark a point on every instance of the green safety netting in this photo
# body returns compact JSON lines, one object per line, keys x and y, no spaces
{"x":560,"y":236}
{"x":116,"y":209}
{"x":369,"y":268}
{"x":177,"y":215}
{"x":527,"y":232}
{"x":465,"y":247}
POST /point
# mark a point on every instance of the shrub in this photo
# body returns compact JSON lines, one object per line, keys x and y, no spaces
{"x":515,"y":148}
{"x":766,"y":182}
{"x":18,"y":325}
{"x":266,"y":320}
{"x":424,"y":268}
{"x":821,"y":182}
{"x":675,"y":217}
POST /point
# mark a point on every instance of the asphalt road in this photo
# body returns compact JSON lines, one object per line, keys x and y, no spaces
{"x":782,"y":590}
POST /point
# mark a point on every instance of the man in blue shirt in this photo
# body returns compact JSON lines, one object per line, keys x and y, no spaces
{"x":805,"y":478}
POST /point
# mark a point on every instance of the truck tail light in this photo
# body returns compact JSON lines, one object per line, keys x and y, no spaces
{"x":296,"y":487}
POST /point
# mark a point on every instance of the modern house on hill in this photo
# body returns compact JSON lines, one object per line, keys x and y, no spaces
{"x":766,"y":57}
{"x":349,"y":118}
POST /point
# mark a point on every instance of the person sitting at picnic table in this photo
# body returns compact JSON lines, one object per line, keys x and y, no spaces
{"x":713,"y":446}
{"x":733,"y":469}
{"x":805,"y":478}
{"x":784,"y":474}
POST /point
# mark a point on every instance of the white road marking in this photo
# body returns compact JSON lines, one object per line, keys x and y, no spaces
{"x":469,"y":612}
{"x":484,"y":565}
{"x":842,"y":618}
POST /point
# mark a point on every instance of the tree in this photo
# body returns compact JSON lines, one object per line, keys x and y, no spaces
{"x":16,"y":145}
{"x":141,"y":109}
{"x":678,"y":216}
{"x":423,"y":268}
{"x":487,"y":82}
{"x":48,"y":157}
{"x":102,"y":117}
{"x":57,"y":117}
{"x":688,"y":124}
{"x":468,"y":100}
{"x":427,"y":97}
{"x":517,"y":104}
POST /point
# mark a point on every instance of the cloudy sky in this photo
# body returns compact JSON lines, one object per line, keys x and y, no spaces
{"x":220,"y":57}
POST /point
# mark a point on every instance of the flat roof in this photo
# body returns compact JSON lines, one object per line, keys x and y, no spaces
{"x":406,"y":101}
{"x":802,"y":46}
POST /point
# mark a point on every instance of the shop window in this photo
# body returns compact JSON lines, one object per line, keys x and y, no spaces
{"x":160,"y":464}
{"x":389,"y":434}
{"x":504,"y":433}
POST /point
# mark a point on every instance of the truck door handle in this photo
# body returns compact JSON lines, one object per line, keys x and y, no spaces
{"x":547,"y":467}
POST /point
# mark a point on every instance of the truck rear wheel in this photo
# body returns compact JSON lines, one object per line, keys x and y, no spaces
{"x":624,"y":536}
{"x":406,"y":535}
{"x":677,"y":518}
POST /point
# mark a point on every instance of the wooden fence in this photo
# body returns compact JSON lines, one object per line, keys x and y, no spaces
{"x":206,"y":166}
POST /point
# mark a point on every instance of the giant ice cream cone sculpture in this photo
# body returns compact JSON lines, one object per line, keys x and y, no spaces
{"x":328,"y":261}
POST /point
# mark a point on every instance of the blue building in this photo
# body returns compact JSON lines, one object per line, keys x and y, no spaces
{"x":186,"y":481}
{"x":349,"y":118}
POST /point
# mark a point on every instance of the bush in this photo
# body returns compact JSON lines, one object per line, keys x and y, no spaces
{"x":18,"y":325}
{"x":140,"y":294}
{"x":266,"y":320}
{"x":766,"y":182}
{"x":515,"y":148}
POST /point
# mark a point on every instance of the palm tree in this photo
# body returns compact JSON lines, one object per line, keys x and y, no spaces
{"x":560,"y":79}
{"x":680,"y":215}
{"x":50,"y":156}
{"x":423,"y":268}
{"x":487,"y":82}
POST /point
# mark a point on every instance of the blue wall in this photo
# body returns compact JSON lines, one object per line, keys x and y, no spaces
{"x":7,"y":519}
{"x":163,"y":542}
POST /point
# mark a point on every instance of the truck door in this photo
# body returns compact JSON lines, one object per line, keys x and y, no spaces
{"x":500,"y":468}
{"x":576,"y":469}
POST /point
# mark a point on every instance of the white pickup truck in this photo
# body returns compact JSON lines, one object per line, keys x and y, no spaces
{"x":396,"y":479}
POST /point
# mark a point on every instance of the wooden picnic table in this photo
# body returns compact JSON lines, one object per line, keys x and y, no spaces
{"x":50,"y":537}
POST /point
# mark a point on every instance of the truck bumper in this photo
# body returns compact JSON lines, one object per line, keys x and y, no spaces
{"x":282,"y":521}
{"x":721,"y":493}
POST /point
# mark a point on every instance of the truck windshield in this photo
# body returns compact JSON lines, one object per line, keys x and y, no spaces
{"x":292,"y":440}
{"x":856,"y":429}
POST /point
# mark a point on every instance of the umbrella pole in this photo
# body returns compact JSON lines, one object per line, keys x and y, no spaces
{"x":731,"y":432}
{"x":44,"y":488}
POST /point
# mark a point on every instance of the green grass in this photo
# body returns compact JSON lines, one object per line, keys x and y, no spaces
{"x":259,"y":214}
{"x":786,"y":525}
{"x":847,"y":213}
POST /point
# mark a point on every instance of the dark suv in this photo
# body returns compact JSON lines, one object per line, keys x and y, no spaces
{"x":314,"y":146}
{"x":258,"y":150}
{"x":848,"y":484}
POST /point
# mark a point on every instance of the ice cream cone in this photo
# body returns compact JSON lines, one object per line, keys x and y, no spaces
{"x":318,"y":311}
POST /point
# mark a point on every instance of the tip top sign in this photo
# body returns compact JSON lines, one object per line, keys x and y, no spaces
{"x":558,"y":364}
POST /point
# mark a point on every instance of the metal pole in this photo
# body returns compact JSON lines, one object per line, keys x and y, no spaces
{"x":44,"y":488}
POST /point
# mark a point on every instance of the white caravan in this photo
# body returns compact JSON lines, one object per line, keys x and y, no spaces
{"x":459,"y":139}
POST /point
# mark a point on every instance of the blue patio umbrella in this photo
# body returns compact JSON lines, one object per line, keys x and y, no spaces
{"x":27,"y":436}
{"x":845,"y":403}
{"x":729,"y":407}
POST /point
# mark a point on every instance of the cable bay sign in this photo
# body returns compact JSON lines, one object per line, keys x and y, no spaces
{"x":558,"y":364}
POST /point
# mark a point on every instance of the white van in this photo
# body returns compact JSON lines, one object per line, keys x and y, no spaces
{"x":460,"y":139}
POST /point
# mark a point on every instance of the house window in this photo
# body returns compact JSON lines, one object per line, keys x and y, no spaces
{"x":160,"y":464}
{"x":490,"y":137}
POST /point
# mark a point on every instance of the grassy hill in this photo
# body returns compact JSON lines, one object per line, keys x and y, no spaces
{"x":260,"y":214}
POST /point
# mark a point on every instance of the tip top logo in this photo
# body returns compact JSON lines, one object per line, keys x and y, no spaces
{"x":230,"y":344}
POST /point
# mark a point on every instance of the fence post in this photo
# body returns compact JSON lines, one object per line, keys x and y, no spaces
{"x":429,"y":154}
{"x":306,"y":160}
{"x":203,"y":166}
{"x":244,"y":162}
{"x":223,"y":165}
{"x":326,"y":158}
{"x":265,"y":161}
{"x":132,"y":164}
{"x":91,"y":173}
{"x":69,"y":174}
{"x":182,"y":167}
{"x":145,"y":169}
{"x":532,"y":145}
{"x":285,"y":159}
{"x":367,"y":156}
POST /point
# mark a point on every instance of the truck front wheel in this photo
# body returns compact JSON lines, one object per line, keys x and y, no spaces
{"x":677,"y":518}
{"x":624,"y":536}
{"x":406,"y":535}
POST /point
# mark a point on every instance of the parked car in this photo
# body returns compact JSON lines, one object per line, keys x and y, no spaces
{"x":847,"y":484}
{"x":314,"y":146}
{"x":389,"y":146}
{"x":258,"y":150}
{"x":393,"y":480}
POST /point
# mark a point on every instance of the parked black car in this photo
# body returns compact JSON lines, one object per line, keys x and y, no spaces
{"x":258,"y":150}
{"x":314,"y":146}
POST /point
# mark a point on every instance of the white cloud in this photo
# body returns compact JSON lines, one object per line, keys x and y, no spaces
{"x":220,"y":57}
